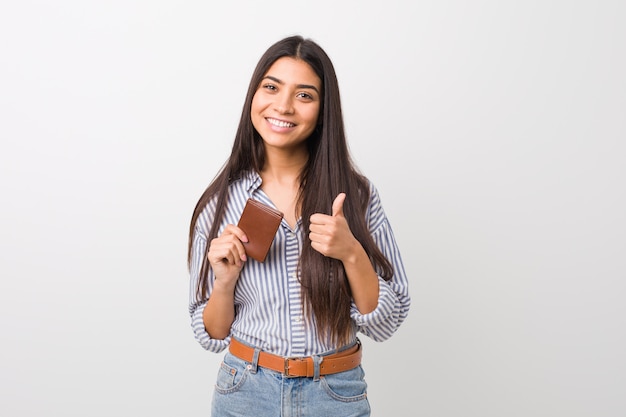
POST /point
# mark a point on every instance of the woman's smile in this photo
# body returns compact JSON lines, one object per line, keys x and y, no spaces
{"x":280,"y":123}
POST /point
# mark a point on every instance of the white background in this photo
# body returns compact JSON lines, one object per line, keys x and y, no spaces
{"x":494,"y":131}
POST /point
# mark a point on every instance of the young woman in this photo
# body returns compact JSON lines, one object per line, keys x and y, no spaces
{"x":290,"y":323}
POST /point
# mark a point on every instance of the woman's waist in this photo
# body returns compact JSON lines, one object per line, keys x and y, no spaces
{"x":287,"y":344}
{"x":338,"y":360}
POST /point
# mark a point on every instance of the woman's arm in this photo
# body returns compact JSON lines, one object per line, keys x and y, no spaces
{"x":331,"y":236}
{"x":226,"y":256}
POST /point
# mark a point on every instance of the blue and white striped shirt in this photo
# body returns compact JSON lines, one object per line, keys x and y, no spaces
{"x":268,"y":303}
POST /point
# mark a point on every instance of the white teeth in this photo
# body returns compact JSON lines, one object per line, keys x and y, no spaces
{"x":280,"y":123}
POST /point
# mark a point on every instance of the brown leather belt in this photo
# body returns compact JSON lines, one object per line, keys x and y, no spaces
{"x":331,"y":364}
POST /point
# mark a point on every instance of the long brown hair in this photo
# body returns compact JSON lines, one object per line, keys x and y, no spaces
{"x":328,"y":172}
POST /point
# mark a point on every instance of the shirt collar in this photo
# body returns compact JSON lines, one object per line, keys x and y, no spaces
{"x":251,"y":181}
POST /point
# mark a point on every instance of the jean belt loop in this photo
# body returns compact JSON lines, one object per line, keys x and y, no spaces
{"x":317,"y":360}
{"x":255,"y":360}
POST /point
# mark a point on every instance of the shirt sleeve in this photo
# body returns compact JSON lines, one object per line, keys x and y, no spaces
{"x":393,"y":297}
{"x":197,"y":304}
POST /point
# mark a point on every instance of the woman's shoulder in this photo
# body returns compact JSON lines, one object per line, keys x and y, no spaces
{"x":369,"y":189}
{"x":205,"y":218}
{"x":375,"y":213}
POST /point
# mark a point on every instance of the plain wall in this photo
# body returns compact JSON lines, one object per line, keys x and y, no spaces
{"x":494,"y":131}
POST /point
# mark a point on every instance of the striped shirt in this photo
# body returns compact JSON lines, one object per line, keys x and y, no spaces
{"x":268,"y":302}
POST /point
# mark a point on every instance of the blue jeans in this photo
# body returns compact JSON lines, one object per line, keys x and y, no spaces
{"x":243,"y":389}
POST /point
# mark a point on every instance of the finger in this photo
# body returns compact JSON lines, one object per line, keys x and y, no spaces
{"x":221,"y":253}
{"x":234,"y":230}
{"x":338,"y":205}
{"x":239,"y":236}
{"x":227,"y":248}
{"x":317,"y":228}
{"x":318,"y":247}
{"x":315,"y":237}
{"x":319,"y":218}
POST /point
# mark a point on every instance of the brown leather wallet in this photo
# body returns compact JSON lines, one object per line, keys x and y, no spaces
{"x":260,"y":223}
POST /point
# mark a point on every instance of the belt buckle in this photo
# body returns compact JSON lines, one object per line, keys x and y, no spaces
{"x":286,"y":366}
{"x":286,"y":371}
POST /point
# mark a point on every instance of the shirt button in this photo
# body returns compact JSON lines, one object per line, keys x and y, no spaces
{"x":297,"y":319}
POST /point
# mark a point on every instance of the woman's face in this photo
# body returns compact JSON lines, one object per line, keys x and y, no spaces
{"x":286,"y":104}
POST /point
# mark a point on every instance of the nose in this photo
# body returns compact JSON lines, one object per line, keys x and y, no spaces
{"x":283,"y":104}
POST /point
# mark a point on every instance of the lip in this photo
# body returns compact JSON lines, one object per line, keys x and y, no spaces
{"x":279,"y":123}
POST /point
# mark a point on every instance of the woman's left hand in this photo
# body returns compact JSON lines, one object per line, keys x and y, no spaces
{"x":331,"y":235}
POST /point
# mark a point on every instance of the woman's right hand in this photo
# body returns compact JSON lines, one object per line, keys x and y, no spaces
{"x":227,"y":256}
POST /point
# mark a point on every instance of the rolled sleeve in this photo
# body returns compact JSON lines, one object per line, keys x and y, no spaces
{"x":196,"y":305}
{"x":386,"y":318}
{"x":200,"y":333}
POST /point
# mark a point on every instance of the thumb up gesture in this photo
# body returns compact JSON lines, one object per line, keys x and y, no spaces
{"x":331,"y":235}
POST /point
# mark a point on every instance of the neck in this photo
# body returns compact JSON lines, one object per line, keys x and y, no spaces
{"x":283,"y":166}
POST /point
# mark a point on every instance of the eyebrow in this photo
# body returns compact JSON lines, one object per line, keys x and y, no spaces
{"x":311,"y":87}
